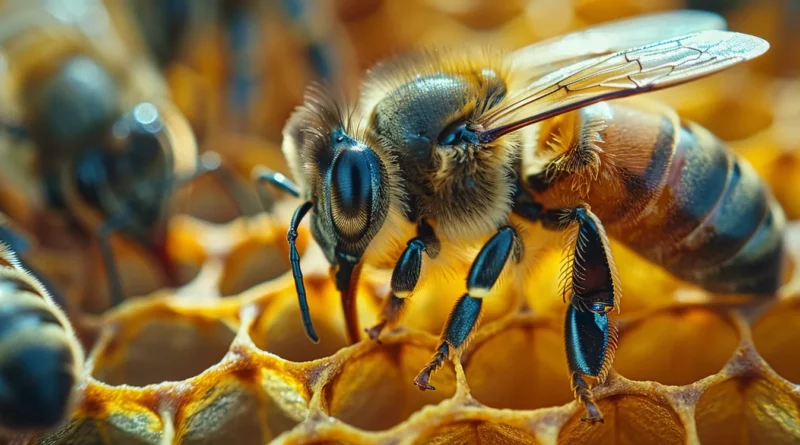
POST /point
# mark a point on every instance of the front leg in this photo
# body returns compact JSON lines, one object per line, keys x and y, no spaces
{"x":590,"y":281}
{"x":405,"y":276}
{"x":482,"y":277}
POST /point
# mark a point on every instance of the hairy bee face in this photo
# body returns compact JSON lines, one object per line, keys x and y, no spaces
{"x":131,"y":175}
{"x":345,"y":176}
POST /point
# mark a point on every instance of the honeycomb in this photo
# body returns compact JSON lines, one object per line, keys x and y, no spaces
{"x":224,"y":358}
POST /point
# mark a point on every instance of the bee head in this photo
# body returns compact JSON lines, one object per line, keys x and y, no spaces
{"x":343,"y":172}
{"x":130,"y":176}
{"x":349,"y":181}
{"x":71,"y":103}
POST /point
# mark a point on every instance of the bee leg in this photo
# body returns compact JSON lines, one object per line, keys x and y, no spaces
{"x":112,"y":224}
{"x":482,"y":276}
{"x":406,"y":275}
{"x":591,"y":282}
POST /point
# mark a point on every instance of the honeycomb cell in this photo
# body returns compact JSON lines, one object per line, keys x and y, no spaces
{"x":628,"y":418}
{"x":478,"y":432}
{"x":542,"y":292}
{"x":520,"y":367}
{"x":772,"y":339}
{"x":139,"y":275}
{"x":254,"y":262}
{"x":91,"y":432}
{"x":374,"y":390}
{"x":430,"y":305}
{"x":162,"y":345}
{"x":279,"y":328}
{"x":749,"y":410}
{"x":233,"y":412}
{"x":676,"y":346}
{"x":644,"y":284}
{"x":334,"y":436}
{"x":208,"y":200}
{"x":185,"y":247}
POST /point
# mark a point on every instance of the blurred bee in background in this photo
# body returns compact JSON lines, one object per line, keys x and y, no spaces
{"x":242,"y":65}
{"x":239,"y":67}
{"x":90,"y":130}
{"x":470,"y":145}
{"x":40,"y":358}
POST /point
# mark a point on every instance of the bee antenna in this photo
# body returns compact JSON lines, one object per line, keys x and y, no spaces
{"x":297,"y":273}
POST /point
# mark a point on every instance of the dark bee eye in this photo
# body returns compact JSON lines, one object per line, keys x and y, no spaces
{"x":134,"y":174}
{"x":355,"y":177}
{"x":352,"y":183}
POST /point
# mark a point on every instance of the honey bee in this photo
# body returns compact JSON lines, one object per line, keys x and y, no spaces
{"x":470,"y":145}
{"x":40,"y":358}
{"x":90,"y":130}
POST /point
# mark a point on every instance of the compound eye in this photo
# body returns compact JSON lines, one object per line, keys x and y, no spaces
{"x":354,"y":181}
{"x":138,"y":167}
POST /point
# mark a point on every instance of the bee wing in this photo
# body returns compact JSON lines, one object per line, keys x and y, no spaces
{"x":606,"y":38}
{"x":625,"y":73}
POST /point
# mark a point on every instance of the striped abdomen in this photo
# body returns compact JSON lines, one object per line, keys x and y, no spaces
{"x":679,"y":197}
{"x":39,"y":359}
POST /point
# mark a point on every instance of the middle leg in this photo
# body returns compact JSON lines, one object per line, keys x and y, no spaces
{"x":483,"y":275}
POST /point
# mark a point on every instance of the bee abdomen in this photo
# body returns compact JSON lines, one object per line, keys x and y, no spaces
{"x":37,"y":362}
{"x":716,"y":223}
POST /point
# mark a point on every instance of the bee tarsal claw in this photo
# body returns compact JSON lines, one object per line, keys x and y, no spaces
{"x":593,"y":414}
{"x":422,"y":380}
{"x":375,"y":331}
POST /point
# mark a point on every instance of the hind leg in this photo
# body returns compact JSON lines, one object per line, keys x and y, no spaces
{"x":591,"y":283}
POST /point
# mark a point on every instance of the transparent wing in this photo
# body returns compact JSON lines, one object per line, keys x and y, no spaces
{"x":606,"y":38}
{"x":634,"y":71}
